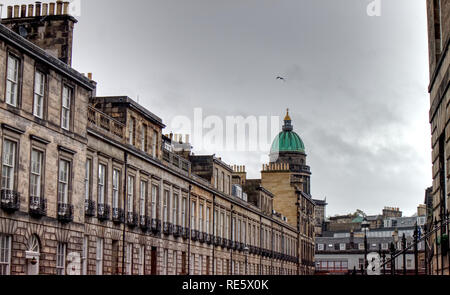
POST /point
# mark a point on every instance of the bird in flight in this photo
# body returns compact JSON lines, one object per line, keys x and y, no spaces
{"x":281,"y":78}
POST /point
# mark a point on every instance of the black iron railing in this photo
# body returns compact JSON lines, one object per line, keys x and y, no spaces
{"x":65,"y":212}
{"x":38,"y":206}
{"x":103,"y":212}
{"x":167,"y":228}
{"x":156,"y":226}
{"x":89,"y":208}
{"x":10,"y":200}
{"x":118,"y":215}
{"x":132,"y":219}
{"x":176,"y":231}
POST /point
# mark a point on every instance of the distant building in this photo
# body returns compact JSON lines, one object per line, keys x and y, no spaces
{"x":319,"y":216}
{"x":391,"y":212}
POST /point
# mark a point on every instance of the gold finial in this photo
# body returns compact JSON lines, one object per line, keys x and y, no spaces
{"x":287,"y":118}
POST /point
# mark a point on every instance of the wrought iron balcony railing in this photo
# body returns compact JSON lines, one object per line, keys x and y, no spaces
{"x":176,"y":231}
{"x":89,"y":208}
{"x":65,"y":212}
{"x":38,"y":206}
{"x":132,"y":219}
{"x":10,"y":200}
{"x":167,"y":228}
{"x":201,"y":237}
{"x":118,"y":215}
{"x":209,"y":239}
{"x":185,"y":233}
{"x":194,"y":235}
{"x":217,"y":241}
{"x":144,"y":222}
{"x":156,"y":226}
{"x":103,"y":212}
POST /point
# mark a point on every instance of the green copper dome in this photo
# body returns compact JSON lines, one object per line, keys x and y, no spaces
{"x":287,"y":140}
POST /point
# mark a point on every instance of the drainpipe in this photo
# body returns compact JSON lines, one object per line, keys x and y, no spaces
{"x":214,"y":235}
{"x":271,"y":248}
{"x":231,"y":250}
{"x":189,"y":243}
{"x":124,"y":211}
{"x":260,"y":244}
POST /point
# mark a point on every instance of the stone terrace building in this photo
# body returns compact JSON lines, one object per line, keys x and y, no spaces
{"x":90,"y":184}
{"x":439,"y":60}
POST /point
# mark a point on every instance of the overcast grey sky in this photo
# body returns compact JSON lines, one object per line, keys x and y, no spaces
{"x":356,"y":85}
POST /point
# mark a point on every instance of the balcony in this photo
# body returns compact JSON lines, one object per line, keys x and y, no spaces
{"x":118,"y":215}
{"x":185,"y":233}
{"x":65,"y":212}
{"x":10,"y":200}
{"x":89,"y":208}
{"x":132,"y":219}
{"x":102,"y":122}
{"x":217,"y":241}
{"x":103,"y":211}
{"x":209,"y":239}
{"x":177,"y":231}
{"x":38,"y":207}
{"x":194,"y":235}
{"x":144,"y":222}
{"x":201,"y":237}
{"x":156,"y":226}
{"x":167,"y":228}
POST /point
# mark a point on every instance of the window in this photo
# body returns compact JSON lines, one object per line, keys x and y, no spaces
{"x":238,"y":232}
{"x":87,"y":179}
{"x":165,"y":262}
{"x":361,"y":246}
{"x":5,"y":255}
{"x":228,"y":185}
{"x":61,"y":259}
{"x":65,"y":111}
{"x":233,"y":228}
{"x":12,"y":80}
{"x":342,"y":246}
{"x":129,"y":258}
{"x":183,"y":212}
{"x":166,"y":206}
{"x":39,"y":91}
{"x":131,"y":131}
{"x":207,"y":220}
{"x":200,"y":264}
{"x":222,"y":229}
{"x":155,"y":190}
{"x":175,"y":262}
{"x":409,"y":263}
{"x":174,"y":209}
{"x":193,"y":225}
{"x":361,"y":263}
{"x":99,"y":259}
{"x":144,"y":138}
{"x":200,"y":217}
{"x":216,"y":176}
{"x":191,"y":264}
{"x":36,"y":173}
{"x":222,"y":181}
{"x":115,"y":188}
{"x":63,"y":182}
{"x":101,"y":184}
{"x":141,"y":259}
{"x":154,"y":143}
{"x":227,"y":229}
{"x":130,"y":194}
{"x":143,"y":194}
{"x":84,"y":255}
{"x":8,"y":164}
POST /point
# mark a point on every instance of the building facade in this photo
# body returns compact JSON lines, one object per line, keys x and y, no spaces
{"x":90,"y":185}
{"x":438,"y":12}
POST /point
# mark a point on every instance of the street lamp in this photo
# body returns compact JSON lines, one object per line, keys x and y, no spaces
{"x":365,"y":227}
{"x":246,"y":250}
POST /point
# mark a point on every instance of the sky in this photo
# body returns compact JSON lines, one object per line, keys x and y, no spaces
{"x":356,"y":85}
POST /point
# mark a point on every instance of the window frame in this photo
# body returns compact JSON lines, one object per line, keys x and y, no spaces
{"x":6,"y":240}
{"x":17,"y":83}
{"x":42,"y":96}
{"x":38,"y":191}
{"x":61,"y":266}
{"x":14,"y":167}
{"x":99,"y":251}
{"x":68,"y":108}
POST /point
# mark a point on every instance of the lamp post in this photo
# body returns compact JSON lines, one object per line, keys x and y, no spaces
{"x":394,"y":249}
{"x":246,"y":250}
{"x":365,"y":227}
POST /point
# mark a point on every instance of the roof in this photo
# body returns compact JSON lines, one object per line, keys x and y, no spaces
{"x":320,"y":202}
{"x":44,"y":57}
{"x":287,"y":141}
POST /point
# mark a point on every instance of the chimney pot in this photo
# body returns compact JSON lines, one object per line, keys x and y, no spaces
{"x":187,"y":138}
{"x":59,"y":7}
{"x":44,"y":9}
{"x":16,"y":11}
{"x":52,"y":9}
{"x":38,"y":8}
{"x":23,"y":11}
{"x":66,"y":8}
{"x":90,"y":76}
{"x":10,"y":12}
{"x":30,"y":10}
